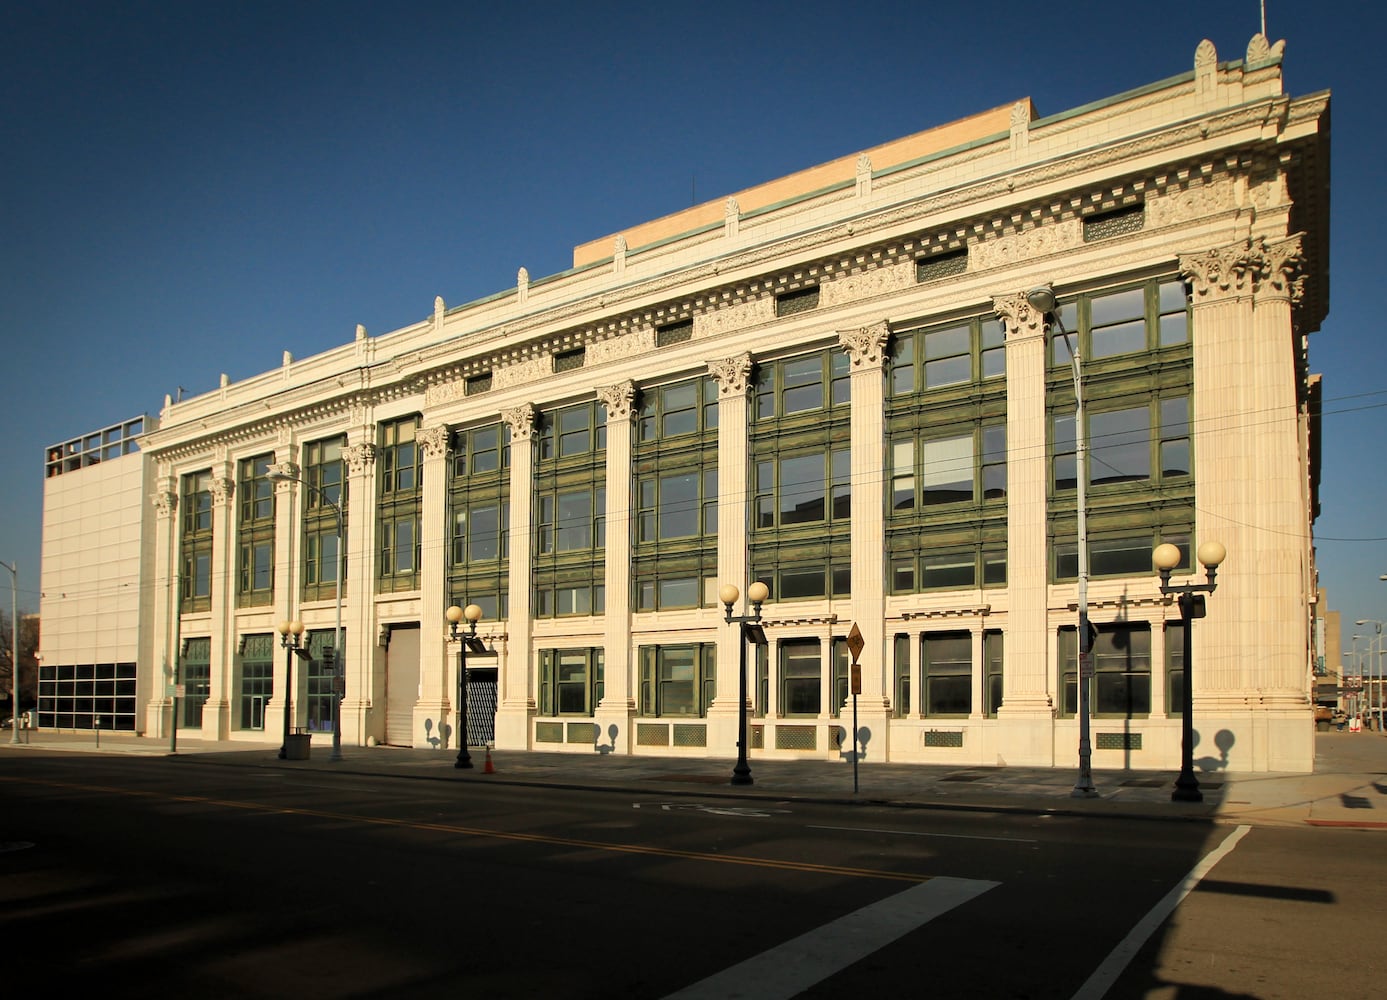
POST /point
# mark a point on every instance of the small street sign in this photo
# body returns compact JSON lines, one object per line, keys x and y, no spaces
{"x":1086,"y":665}
{"x":855,"y":642}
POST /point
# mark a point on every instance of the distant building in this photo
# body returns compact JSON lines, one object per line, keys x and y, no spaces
{"x":833,"y":383}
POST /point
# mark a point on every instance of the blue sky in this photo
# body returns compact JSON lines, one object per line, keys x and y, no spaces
{"x":194,"y":188}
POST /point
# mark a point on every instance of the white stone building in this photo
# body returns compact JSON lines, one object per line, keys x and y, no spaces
{"x":832,"y":383}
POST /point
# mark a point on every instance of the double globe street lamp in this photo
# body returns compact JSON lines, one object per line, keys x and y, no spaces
{"x":291,"y":638}
{"x":751,"y":630}
{"x":1191,"y":602}
{"x":467,"y":642}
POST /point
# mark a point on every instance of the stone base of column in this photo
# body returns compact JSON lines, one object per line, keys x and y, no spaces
{"x":216,"y":719}
{"x":514,"y":725}
{"x":355,"y":719}
{"x":616,"y":726}
{"x":431,"y":725}
{"x":874,"y":727}
{"x":1027,"y":732}
{"x":158,"y":716}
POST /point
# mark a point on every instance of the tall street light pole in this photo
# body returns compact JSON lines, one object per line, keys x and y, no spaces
{"x":1191,"y":601}
{"x":749,"y":629}
{"x":1374,"y":669}
{"x":1042,"y":300}
{"x":279,"y":475}
{"x":467,"y":643}
{"x":289,"y":633}
{"x":14,"y":648}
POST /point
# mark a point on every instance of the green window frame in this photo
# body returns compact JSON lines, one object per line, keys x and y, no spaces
{"x":1121,"y":684}
{"x":946,"y":674}
{"x":255,"y":532}
{"x":801,"y":678}
{"x":1175,"y":669}
{"x":994,"y":662}
{"x":900,"y":659}
{"x":324,"y":467}
{"x":479,"y":506}
{"x":570,"y":681}
{"x":400,"y":506}
{"x":195,"y":674}
{"x":195,"y":543}
{"x":805,"y":384}
{"x":257,"y":680}
{"x":400,"y":466}
{"x":678,"y":681}
{"x":968,"y":352}
{"x":572,"y":432}
{"x":321,"y":679}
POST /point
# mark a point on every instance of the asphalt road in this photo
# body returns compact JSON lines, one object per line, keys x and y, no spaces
{"x":150,"y":877}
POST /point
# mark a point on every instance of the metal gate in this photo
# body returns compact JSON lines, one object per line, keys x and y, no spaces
{"x":481,"y":706}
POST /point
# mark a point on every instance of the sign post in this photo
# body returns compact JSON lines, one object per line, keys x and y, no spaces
{"x":855,"y":644}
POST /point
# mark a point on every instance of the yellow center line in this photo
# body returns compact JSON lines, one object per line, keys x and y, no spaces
{"x":529,"y":838}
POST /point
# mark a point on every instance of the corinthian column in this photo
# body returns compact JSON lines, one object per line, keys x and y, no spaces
{"x":515,"y":672}
{"x":618,"y":706}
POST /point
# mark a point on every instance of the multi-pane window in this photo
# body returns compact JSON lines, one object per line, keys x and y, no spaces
{"x":196,"y":542}
{"x":965,"y":353}
{"x":678,"y":680}
{"x":946,"y":667}
{"x":400,"y":505}
{"x":801,"y":477}
{"x":1175,"y":668}
{"x":993,"y":670}
{"x":570,"y":511}
{"x":479,"y":500}
{"x":967,"y":467}
{"x":195,"y":674}
{"x":257,"y":679}
{"x":323,"y":469}
{"x":255,"y":532}
{"x":676,"y":512}
{"x":838,"y":688}
{"x":323,"y":671}
{"x":800,"y":676}
{"x":570,"y":681}
{"x":1121,"y":682}
{"x":900,"y":659}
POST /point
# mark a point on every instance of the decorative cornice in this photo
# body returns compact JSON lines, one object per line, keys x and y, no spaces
{"x":733,"y":374}
{"x":866,"y":345}
{"x":433,"y":441}
{"x":521,"y":420}
{"x":979,"y":611}
{"x":618,"y":399}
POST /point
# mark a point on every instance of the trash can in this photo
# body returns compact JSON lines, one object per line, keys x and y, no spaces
{"x":298,"y":746}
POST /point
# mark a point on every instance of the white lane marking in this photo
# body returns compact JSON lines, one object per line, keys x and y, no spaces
{"x":1106,"y":974}
{"x":923,"y":833}
{"x":793,"y":967}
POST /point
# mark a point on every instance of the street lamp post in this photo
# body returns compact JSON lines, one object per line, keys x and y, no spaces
{"x":1374,"y":670}
{"x":289,"y":637}
{"x":277,"y":474}
{"x":467,"y":643}
{"x":14,"y":649}
{"x":1191,"y":602}
{"x":1042,"y":300}
{"x":749,"y":629}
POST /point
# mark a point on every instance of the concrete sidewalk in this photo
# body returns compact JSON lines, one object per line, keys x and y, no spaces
{"x":1347,"y":789}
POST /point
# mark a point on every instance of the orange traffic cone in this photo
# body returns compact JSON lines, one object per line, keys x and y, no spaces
{"x":489,"y":768}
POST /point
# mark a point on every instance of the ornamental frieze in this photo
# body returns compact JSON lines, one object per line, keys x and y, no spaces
{"x":1019,"y":247}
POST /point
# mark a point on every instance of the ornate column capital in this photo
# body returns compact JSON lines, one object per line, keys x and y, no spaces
{"x":289,"y":469}
{"x":866,"y":345}
{"x":1277,"y":268}
{"x":165,"y":499}
{"x":359,"y":456}
{"x":521,"y":420}
{"x":222,"y":488}
{"x":618,"y":399}
{"x":433,"y":441}
{"x":1021,"y":318}
{"x":1219,"y":273}
{"x":733,"y":374}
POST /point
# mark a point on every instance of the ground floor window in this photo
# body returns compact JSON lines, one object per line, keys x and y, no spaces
{"x":946,"y":665}
{"x":678,"y":680}
{"x":324,"y":670}
{"x":1121,"y":683}
{"x":570,"y":681}
{"x":1175,"y":668}
{"x":257,"y":679}
{"x":195,"y":673}
{"x":800,"y":672}
{"x":75,"y":696}
{"x":992,"y":663}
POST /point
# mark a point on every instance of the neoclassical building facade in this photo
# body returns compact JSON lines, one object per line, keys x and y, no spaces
{"x":833,"y":383}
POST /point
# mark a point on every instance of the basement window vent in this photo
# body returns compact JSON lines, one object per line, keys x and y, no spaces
{"x":802,"y":300}
{"x":567,"y":361}
{"x":941,"y":265}
{"x":1117,"y":741}
{"x":674,"y":333}
{"x":943,"y":738}
{"x":1111,"y":224}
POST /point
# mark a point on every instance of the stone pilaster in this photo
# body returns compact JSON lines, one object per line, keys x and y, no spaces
{"x":437,"y":684}
{"x":288,"y":546}
{"x":216,"y":712}
{"x":618,"y":707}
{"x":358,"y":609}
{"x":515,"y":670}
{"x":866,"y":350}
{"x":159,"y":710}
{"x":734,"y":378}
{"x":1027,"y":679}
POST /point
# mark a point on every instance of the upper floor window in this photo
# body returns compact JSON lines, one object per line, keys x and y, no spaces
{"x":1147,"y":442}
{"x":480,"y":451}
{"x":323,"y":470}
{"x":197,"y":503}
{"x":672,"y":411}
{"x":1110,"y":324}
{"x":802,"y":385}
{"x":573,"y":431}
{"x":255,"y":490}
{"x":957,"y":354}
{"x":399,"y":457}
